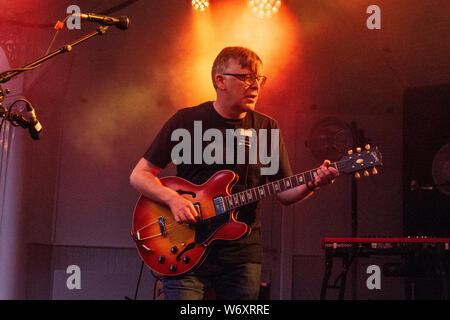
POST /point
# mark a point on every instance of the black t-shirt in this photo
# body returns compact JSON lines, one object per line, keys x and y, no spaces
{"x":196,"y":168}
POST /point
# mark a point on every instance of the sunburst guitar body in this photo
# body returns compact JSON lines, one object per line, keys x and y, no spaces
{"x":170,"y":248}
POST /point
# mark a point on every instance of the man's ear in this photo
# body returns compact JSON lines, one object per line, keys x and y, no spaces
{"x":219,"y":81}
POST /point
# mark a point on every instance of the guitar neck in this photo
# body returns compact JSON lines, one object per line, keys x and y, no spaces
{"x":248,"y":196}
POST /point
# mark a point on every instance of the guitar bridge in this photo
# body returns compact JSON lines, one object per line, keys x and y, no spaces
{"x":162,"y":227}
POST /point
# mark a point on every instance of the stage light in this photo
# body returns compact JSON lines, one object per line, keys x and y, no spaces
{"x":264,"y":8}
{"x":200,"y":4}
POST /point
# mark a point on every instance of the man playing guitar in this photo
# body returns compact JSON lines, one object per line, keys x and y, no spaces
{"x":232,"y":267}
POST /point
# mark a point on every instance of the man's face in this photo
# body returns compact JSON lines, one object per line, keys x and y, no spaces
{"x":241,"y":91}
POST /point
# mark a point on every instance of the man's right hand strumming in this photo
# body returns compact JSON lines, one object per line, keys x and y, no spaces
{"x":144,"y":179}
{"x":182,"y":209}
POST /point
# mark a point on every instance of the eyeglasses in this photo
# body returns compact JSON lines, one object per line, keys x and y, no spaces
{"x":248,"y":78}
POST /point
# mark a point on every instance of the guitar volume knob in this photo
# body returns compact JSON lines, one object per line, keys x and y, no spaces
{"x":174,"y":249}
{"x":161,"y":259}
{"x":186,"y":259}
{"x":173,"y":268}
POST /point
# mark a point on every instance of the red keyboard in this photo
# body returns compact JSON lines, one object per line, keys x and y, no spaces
{"x":383,"y":242}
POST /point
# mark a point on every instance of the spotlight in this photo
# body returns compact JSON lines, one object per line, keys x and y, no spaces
{"x":265,"y":8}
{"x":200,"y":4}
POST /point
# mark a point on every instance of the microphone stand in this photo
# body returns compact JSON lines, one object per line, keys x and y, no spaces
{"x":359,"y":140}
{"x":8,"y":74}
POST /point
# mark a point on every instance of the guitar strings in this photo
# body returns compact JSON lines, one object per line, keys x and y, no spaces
{"x":168,"y":227}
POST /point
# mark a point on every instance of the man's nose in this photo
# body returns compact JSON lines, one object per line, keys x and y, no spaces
{"x":254,"y":84}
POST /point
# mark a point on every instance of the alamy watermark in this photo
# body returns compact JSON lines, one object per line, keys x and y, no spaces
{"x":374,"y":280}
{"x":74,"y":20}
{"x":74,"y":280}
{"x":374,"y":20}
{"x":235,"y":139}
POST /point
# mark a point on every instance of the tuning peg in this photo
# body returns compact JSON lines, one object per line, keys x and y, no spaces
{"x":350,"y":151}
{"x":367,"y":146}
{"x":366,"y":173}
{"x":358,"y":149}
{"x":357,"y":175}
{"x":374,"y":170}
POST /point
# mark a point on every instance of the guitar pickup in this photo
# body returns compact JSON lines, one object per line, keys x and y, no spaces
{"x":219,"y":205}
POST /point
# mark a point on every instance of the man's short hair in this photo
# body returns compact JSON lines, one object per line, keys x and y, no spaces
{"x":244,"y":56}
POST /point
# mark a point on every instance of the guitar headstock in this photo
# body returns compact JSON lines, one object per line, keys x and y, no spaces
{"x":360,"y":161}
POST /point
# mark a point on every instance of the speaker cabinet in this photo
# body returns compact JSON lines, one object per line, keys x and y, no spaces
{"x":426,"y":206}
{"x":426,"y":129}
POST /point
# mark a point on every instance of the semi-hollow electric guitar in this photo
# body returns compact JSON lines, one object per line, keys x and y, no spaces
{"x":170,"y":248}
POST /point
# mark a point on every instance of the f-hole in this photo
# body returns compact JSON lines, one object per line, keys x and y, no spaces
{"x":186,"y":192}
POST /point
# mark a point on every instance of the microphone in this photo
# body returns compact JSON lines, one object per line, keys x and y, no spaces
{"x":34,"y":126}
{"x":17,"y":119}
{"x":120,"y":22}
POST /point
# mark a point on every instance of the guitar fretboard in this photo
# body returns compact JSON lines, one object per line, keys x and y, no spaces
{"x":248,"y":196}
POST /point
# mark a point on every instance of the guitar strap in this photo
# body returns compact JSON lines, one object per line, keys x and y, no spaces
{"x":242,"y":184}
{"x":242,"y":170}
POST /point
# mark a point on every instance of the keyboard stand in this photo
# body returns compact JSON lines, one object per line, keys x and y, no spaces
{"x":430,"y":250}
{"x":340,"y":281}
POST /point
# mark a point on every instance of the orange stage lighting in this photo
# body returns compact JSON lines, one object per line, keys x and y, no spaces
{"x":228,"y":23}
{"x":265,"y":8}
{"x":200,"y":4}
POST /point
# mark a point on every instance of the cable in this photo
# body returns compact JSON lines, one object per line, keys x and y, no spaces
{"x":21,"y":69}
{"x":8,"y":115}
{"x":157,"y":279}
{"x":139,"y":280}
{"x":16,"y":117}
{"x":55,"y":36}
{"x":6,"y":76}
{"x":138,"y":283}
